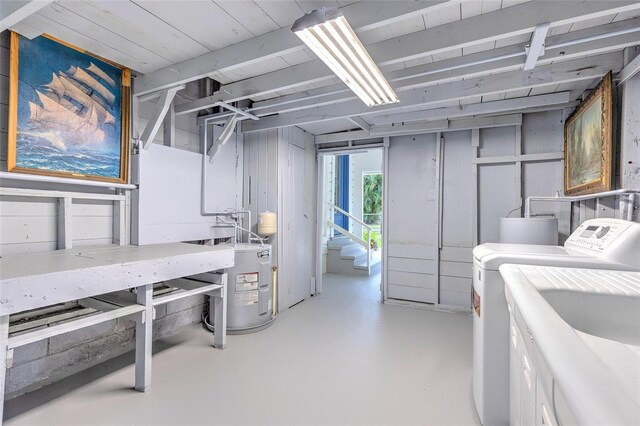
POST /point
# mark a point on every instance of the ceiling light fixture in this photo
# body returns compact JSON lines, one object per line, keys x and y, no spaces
{"x":329,"y":35}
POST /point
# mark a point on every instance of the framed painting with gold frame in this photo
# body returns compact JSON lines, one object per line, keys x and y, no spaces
{"x":68,"y":112}
{"x":588,"y":143}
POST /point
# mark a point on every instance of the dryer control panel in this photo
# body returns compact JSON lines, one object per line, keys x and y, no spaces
{"x":607,"y":237}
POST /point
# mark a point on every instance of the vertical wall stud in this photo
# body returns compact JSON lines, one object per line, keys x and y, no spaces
{"x":65,"y":236}
{"x":519,"y":183}
{"x":475,"y":143}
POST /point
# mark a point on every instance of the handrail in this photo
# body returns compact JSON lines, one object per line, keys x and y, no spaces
{"x":351,"y":236}
{"x":630,"y":193}
{"x":349,"y":215}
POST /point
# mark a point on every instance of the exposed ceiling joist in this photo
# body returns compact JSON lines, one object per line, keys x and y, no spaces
{"x":421,"y":127}
{"x":12,"y":12}
{"x":360,"y":122}
{"x":444,"y":74}
{"x":581,"y":69}
{"x":596,"y":40}
{"x":362,"y":16}
{"x":514,"y":20}
{"x":493,"y":107}
{"x":536,"y":47}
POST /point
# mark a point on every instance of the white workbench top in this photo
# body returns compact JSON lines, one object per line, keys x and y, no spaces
{"x":32,"y":280}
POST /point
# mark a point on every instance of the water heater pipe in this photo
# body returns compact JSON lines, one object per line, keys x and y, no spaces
{"x":274,"y":286}
{"x":630,"y":196}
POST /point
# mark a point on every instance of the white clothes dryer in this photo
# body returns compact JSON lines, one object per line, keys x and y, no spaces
{"x":611,"y":244}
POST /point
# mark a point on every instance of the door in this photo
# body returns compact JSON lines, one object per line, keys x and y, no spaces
{"x":297,"y":247}
{"x":411,"y":219}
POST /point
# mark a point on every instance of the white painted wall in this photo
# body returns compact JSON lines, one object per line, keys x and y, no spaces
{"x":167,"y":205}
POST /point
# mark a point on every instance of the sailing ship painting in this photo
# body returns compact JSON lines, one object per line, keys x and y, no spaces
{"x":69,"y":109}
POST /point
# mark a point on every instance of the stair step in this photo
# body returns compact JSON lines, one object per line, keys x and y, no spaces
{"x":360,"y":262}
{"x":352,"y":251}
{"x":340,"y":243}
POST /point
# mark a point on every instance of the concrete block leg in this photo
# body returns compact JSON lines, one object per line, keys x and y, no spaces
{"x":144,"y":339}
{"x":220,"y":318}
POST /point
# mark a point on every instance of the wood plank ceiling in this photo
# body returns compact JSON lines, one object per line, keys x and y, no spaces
{"x":148,"y":36}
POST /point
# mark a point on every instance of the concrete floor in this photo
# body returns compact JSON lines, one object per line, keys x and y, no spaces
{"x":338,"y":358}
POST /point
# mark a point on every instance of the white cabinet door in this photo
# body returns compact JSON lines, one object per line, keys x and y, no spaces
{"x":411,"y":219}
{"x":297,"y":247}
{"x":515,"y":361}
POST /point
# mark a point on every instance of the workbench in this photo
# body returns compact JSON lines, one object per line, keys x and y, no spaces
{"x":36,"y":280}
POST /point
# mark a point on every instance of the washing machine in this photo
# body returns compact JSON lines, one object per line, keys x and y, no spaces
{"x":595,"y":244}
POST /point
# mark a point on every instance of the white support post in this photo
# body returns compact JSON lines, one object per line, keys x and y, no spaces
{"x":65,"y":236}
{"x":220,"y":318}
{"x":518,"y":182}
{"x":4,"y":340}
{"x":157,"y":118}
{"x":385,"y":218}
{"x":119,"y":222}
{"x":475,"y":144}
{"x":170,"y":127}
{"x":438,"y":211}
{"x":144,"y":338}
{"x":536,"y":47}
{"x":227,"y":131}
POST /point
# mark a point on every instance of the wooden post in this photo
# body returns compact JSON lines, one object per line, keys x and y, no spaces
{"x":65,"y":236}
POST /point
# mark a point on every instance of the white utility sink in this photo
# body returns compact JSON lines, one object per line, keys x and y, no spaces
{"x":585,"y":324}
{"x":609,"y":316}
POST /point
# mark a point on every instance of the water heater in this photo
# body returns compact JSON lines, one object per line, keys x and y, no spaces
{"x":249,"y":290}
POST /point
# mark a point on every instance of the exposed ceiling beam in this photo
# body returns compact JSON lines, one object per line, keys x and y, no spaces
{"x":562,"y":47}
{"x":445,"y":74}
{"x":12,"y":12}
{"x":629,"y":71}
{"x":493,"y":107}
{"x":536,"y":47}
{"x":420,"y":128}
{"x":503,"y":23}
{"x":581,"y":69}
{"x":360,"y":122}
{"x":362,"y":16}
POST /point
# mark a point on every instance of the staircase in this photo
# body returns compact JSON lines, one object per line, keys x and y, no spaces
{"x":349,"y":258}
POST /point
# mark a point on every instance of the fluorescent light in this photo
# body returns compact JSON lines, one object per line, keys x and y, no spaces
{"x":328,"y":34}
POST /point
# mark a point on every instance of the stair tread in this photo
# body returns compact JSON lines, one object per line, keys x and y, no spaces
{"x":338,"y":244}
{"x":352,"y":251}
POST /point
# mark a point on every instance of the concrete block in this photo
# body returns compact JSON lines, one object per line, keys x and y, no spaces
{"x":65,"y":341}
{"x":171,"y":324}
{"x":184,"y":304}
{"x":161,"y":311}
{"x":29,"y":352}
{"x":43,"y":371}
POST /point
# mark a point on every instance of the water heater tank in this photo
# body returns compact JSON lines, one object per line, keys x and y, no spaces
{"x":249,"y":289}
{"x":267,"y":223}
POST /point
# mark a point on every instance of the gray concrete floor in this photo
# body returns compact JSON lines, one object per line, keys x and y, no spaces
{"x":340,"y":357}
